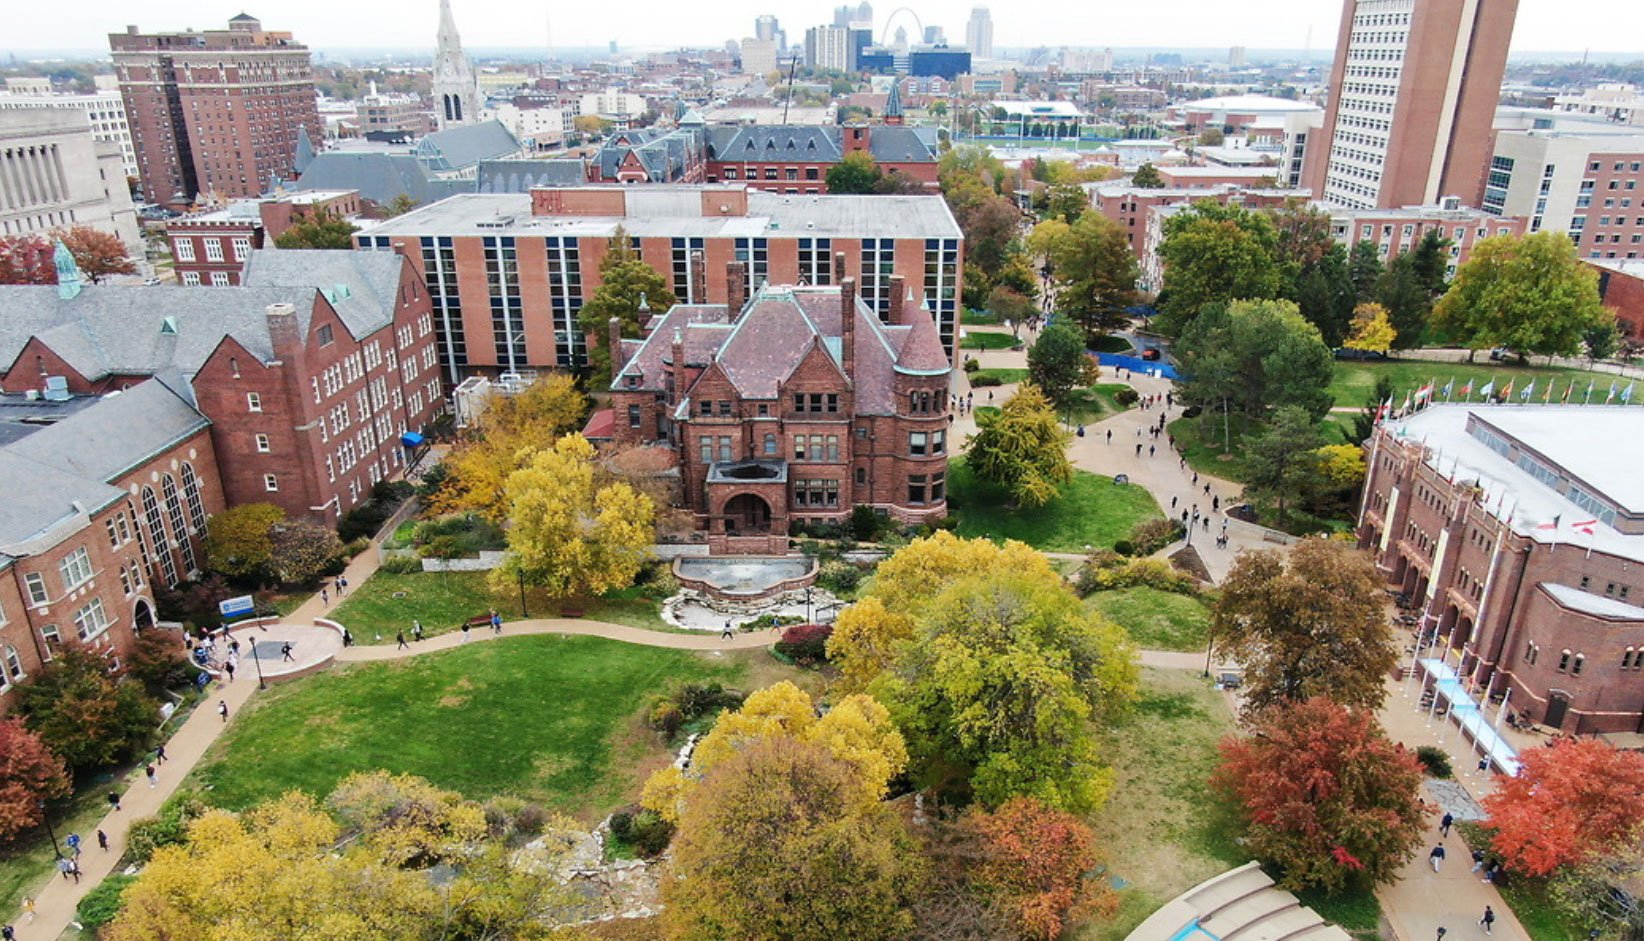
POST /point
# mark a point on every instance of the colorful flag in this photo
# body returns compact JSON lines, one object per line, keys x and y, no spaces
{"x":1628,"y":395}
{"x":1467,"y":390}
{"x":1548,"y":395}
{"x":1448,"y":386}
{"x":1607,"y":398}
{"x":1489,"y":387}
{"x":1423,"y":393}
{"x":1525,"y":395}
{"x":1566,"y":399}
{"x":1507,"y":393}
{"x":1589,"y":398}
{"x":1406,"y":406}
{"x":1589,"y":527}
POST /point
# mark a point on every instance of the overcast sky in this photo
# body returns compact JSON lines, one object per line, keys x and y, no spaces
{"x":1543,"y":25}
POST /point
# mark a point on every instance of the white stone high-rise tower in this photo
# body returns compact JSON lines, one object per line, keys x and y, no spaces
{"x":456,"y":90}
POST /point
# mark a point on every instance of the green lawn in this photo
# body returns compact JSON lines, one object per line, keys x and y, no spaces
{"x":444,"y":600}
{"x":987,"y":340}
{"x":1156,"y":620}
{"x":1091,"y":511}
{"x":1163,"y":829}
{"x":1109,"y":343}
{"x":546,"y":718}
{"x":1200,"y":441}
{"x":1005,"y":376}
{"x":1354,"y":381}
{"x":1088,"y":406}
{"x":28,"y":863}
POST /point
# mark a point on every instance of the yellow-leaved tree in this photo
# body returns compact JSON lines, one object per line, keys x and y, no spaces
{"x":864,"y":642}
{"x":568,"y":535}
{"x":288,"y":869}
{"x":1372,"y":330}
{"x":509,"y":429}
{"x":857,"y":731}
{"x":1342,"y":464}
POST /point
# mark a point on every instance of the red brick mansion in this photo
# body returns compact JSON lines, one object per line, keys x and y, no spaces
{"x":792,"y":406}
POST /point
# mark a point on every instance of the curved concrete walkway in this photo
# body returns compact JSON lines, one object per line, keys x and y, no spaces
{"x":696,"y":640}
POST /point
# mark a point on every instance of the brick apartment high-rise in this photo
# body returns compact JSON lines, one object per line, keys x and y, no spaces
{"x":217,"y":111}
{"x":1413,"y":93}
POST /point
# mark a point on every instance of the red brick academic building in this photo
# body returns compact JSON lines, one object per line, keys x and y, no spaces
{"x":1519,"y":532}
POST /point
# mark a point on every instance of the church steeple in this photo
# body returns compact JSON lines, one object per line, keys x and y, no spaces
{"x":893,"y":103}
{"x":456,"y":90}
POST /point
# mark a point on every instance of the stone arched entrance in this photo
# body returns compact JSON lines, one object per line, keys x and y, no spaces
{"x":142,"y":614}
{"x":747,"y":514}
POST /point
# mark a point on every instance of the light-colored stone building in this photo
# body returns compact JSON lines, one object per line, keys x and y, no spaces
{"x":52,"y":174}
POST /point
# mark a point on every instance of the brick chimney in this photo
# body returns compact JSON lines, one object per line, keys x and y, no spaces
{"x":613,"y":336}
{"x":895,"y":313}
{"x":678,"y":353}
{"x":736,"y":289}
{"x":847,"y":327}
{"x":283,"y":332}
{"x":699,"y":280}
{"x":838,"y":267}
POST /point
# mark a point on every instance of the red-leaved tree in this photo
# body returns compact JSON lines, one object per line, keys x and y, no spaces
{"x":26,"y":259}
{"x":98,"y":254}
{"x":1037,"y":865}
{"x":1566,"y":804}
{"x":1324,"y":794}
{"x":29,"y":774}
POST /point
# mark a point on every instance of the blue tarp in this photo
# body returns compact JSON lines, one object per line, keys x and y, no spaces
{"x":412,"y":440}
{"x":1137,"y":364}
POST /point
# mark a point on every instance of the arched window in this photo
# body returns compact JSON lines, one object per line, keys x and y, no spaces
{"x":770,"y":444}
{"x":179,"y":527}
{"x":924,"y":401}
{"x":1563,"y":660}
{"x":913,"y":402}
{"x":157,"y":533}
{"x":1580,"y":661}
{"x":191,"y":496}
{"x":14,"y":666}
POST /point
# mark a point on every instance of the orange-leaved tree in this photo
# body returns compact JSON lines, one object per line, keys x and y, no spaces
{"x":29,"y":775}
{"x":1324,"y":794}
{"x":1566,"y":804}
{"x":98,"y":254}
{"x":1038,"y":865}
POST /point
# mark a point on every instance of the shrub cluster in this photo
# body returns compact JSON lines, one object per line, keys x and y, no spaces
{"x":805,"y":644}
{"x":1435,"y":760}
{"x":838,"y":576}
{"x":101,"y":904}
{"x":457,"y":536}
{"x":1105,"y":573}
{"x":971,"y":365}
{"x":167,"y":828}
{"x":643,"y":830}
{"x":984,"y":381}
{"x":1149,"y":536}
{"x":368,"y":517}
{"x":668,"y":714}
{"x":1126,"y":397}
{"x":401,"y":565}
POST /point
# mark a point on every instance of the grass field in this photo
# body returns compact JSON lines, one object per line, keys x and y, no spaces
{"x":986,"y":340}
{"x":1091,"y":511}
{"x":1005,"y":376}
{"x":1112,"y":344}
{"x":1162,"y":827}
{"x":1095,"y":403}
{"x":387,"y":603}
{"x":1354,"y":381}
{"x":545,"y":718}
{"x":1156,"y":620}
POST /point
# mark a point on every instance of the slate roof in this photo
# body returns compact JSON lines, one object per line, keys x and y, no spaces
{"x":766,"y":142}
{"x":64,"y":469}
{"x":892,"y":144}
{"x":462,"y":147}
{"x":518,"y":176}
{"x":665,"y":155}
{"x":380,"y":177}
{"x":779,"y":327}
{"x":123,"y":329}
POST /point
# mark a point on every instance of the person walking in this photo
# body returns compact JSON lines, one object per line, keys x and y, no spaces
{"x":1491,"y":870}
{"x":159,"y":754}
{"x":1173,"y":499}
{"x":1216,"y":502}
{"x":228,"y":667}
{"x":1478,"y":861}
{"x":399,"y":638}
{"x":153,"y":778}
{"x":496,"y":622}
{"x":114,"y":799}
{"x":728,"y":632}
{"x":416,"y":629}
{"x":73,"y":843}
{"x":7,"y":932}
{"x":465,"y":632}
{"x":285,"y":653}
{"x":28,"y":911}
{"x":102,"y":841}
{"x":1110,"y":436}
{"x":67,"y":868}
{"x":222,"y":710}
{"x":1488,"y":919}
{"x":348,"y":638}
{"x":1152,"y":449}
{"x":1138,"y":449}
{"x":1445,"y":823}
{"x":342,"y":585}
{"x":1436,"y":856}
{"x":325,"y":598}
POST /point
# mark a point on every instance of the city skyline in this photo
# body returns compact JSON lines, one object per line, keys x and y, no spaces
{"x":1543,"y":25}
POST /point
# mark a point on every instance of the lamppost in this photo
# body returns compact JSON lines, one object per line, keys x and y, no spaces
{"x":257,"y":660}
{"x":522,"y":612}
{"x":45,"y":818}
{"x":807,"y":604}
{"x":1209,"y":646}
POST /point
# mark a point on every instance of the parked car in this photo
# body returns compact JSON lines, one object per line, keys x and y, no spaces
{"x":1151,"y":354}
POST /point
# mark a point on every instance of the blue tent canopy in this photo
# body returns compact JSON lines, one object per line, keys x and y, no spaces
{"x":412,"y":440}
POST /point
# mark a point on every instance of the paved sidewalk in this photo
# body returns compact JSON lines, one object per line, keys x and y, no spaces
{"x":695,"y":640}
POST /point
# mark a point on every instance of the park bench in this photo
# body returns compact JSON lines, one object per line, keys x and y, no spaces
{"x":479,"y":620}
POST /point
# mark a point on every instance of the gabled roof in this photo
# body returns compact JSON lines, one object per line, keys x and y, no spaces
{"x":459,"y":148}
{"x":775,"y":142}
{"x":380,"y":177}
{"x":893,"y":144}
{"x":362,"y":287}
{"x":65,"y":469}
{"x":136,"y":330}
